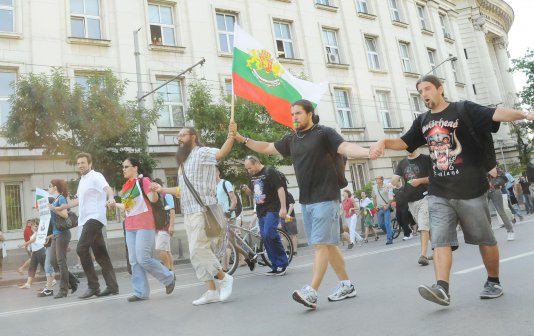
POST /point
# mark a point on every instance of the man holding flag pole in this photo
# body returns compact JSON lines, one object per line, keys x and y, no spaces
{"x":291,"y":101}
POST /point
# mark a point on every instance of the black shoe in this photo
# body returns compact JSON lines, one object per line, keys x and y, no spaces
{"x":251,"y":264}
{"x":74,"y":287}
{"x":134,"y":298}
{"x":389,"y":242}
{"x":170,"y":287}
{"x":351,"y":245}
{"x":90,"y":292}
{"x":108,"y":291}
{"x":60,"y":295}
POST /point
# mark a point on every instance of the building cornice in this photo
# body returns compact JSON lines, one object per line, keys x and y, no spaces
{"x":497,"y":12}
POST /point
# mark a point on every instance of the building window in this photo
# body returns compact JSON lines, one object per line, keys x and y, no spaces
{"x":358,"y":172}
{"x":362,"y":6}
{"x":331,"y":45}
{"x":456,"y":72}
{"x":432,"y":61}
{"x":85,"y":20}
{"x":7,"y":17}
{"x":161,"y":25}
{"x":324,"y":2}
{"x":394,"y":10}
{"x":344,"y":112}
{"x":445,"y":26}
{"x":11,"y":205}
{"x":172,"y":111}
{"x":417,"y":105}
{"x":82,"y":80}
{"x":423,"y":17}
{"x":394,"y":165}
{"x":228,"y":88}
{"x":383,"y":109}
{"x":6,"y":90}
{"x":404,"y":49}
{"x":372,"y":52}
{"x":284,"y":42}
{"x":225,"y":30}
{"x":171,"y":180}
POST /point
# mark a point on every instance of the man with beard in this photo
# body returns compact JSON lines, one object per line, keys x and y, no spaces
{"x":92,"y":192}
{"x":457,"y":193}
{"x":198,"y":164}
{"x":313,"y":148}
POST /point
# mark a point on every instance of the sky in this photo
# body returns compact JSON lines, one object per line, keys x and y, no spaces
{"x":520,"y":36}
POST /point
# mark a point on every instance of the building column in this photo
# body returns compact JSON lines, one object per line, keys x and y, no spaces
{"x":485,"y":60}
{"x":501,"y":44}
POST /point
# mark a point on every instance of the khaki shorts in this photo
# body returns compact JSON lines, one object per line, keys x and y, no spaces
{"x":163,"y":241}
{"x":419,"y":211}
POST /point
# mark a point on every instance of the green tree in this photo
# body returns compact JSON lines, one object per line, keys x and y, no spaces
{"x":523,"y":131}
{"x":211,"y":119}
{"x":48,"y":114}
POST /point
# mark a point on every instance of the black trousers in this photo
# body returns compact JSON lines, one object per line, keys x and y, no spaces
{"x":404,"y":218}
{"x":59,"y":246}
{"x":38,"y":257}
{"x":92,"y":238}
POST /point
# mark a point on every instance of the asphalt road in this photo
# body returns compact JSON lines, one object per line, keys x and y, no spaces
{"x":388,"y":303}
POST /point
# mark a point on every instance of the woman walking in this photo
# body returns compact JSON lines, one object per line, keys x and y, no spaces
{"x":141,"y":231}
{"x":350,"y":211}
{"x":38,"y":255}
{"x":60,"y":240}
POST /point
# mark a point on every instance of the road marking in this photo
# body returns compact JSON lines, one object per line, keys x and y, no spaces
{"x":468,"y":270}
{"x":186,"y":286}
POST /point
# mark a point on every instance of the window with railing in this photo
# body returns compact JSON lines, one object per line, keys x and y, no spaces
{"x":11,"y":206}
{"x":359,"y":176}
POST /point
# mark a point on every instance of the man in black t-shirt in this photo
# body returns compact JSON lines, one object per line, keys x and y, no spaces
{"x":458,"y":183}
{"x":269,"y":194}
{"x":415,"y":171}
{"x":313,"y":148}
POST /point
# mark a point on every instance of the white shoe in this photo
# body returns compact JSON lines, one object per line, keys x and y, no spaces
{"x":210,"y":296}
{"x":25,"y":286}
{"x":408,"y":238}
{"x":511,"y":236}
{"x":225,"y":287}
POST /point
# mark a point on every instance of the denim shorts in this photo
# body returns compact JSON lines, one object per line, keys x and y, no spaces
{"x":472,"y":215}
{"x":321,"y":222}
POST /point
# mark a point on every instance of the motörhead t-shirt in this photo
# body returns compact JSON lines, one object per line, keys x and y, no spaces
{"x":457,"y":163}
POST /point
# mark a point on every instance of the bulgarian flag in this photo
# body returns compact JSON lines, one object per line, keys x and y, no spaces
{"x":40,"y":194}
{"x":257,"y":76}
{"x":132,"y":198}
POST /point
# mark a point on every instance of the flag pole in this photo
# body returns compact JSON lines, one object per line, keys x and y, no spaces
{"x":232,"y":108}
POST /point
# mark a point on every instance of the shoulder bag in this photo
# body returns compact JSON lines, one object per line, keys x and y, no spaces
{"x":213,"y":215}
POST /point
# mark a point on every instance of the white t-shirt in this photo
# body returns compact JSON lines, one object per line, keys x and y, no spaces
{"x":34,"y":246}
{"x":92,"y":198}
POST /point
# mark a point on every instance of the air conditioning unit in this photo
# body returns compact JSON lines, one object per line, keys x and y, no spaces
{"x":448,"y":36}
{"x":333,"y":58}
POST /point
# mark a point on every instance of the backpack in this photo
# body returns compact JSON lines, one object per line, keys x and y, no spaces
{"x":161,"y":216}
{"x":483,"y":141}
{"x":239,"y":205}
{"x":500,"y":180}
{"x":283,"y":178}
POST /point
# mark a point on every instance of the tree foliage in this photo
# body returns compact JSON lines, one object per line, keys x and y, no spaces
{"x":211,"y":119}
{"x":523,"y":131}
{"x":47,"y":113}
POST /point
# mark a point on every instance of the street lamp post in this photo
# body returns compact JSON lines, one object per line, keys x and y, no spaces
{"x":450,"y":58}
{"x":501,"y":141}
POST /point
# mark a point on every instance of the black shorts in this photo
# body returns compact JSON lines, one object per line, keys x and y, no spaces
{"x":290,"y":227}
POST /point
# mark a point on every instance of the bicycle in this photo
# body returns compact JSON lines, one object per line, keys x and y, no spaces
{"x":251,"y":243}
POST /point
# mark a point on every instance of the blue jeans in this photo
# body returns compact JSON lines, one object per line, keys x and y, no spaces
{"x":140,"y":253}
{"x":384,"y":222}
{"x":271,"y":240}
{"x":528,"y":206}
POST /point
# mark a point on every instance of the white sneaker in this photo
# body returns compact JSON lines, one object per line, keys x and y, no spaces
{"x":408,"y":237}
{"x":210,"y":296}
{"x":511,"y":236}
{"x":225,"y":287}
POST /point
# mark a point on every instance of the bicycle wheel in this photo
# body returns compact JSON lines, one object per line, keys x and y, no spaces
{"x":286,"y":243}
{"x":396,"y":228}
{"x":228,"y":257}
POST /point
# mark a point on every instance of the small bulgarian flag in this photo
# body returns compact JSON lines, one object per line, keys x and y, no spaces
{"x":257,"y":76}
{"x":132,"y":198}
{"x":40,"y":194}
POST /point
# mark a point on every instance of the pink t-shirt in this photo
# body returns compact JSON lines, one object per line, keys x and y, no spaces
{"x":347,"y":205}
{"x":145,"y":220}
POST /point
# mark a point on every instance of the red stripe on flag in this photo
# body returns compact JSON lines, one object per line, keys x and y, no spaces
{"x":278,"y":108}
